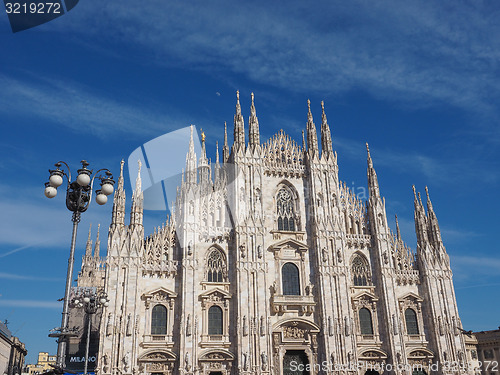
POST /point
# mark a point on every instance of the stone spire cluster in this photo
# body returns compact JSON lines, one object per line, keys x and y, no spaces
{"x":239,"y":127}
{"x":92,"y":265}
{"x":429,"y":241}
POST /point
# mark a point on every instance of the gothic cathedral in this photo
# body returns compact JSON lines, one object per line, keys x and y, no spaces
{"x":271,"y":265}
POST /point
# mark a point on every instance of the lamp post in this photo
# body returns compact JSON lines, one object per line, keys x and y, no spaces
{"x":78,"y":198}
{"x":91,"y":302}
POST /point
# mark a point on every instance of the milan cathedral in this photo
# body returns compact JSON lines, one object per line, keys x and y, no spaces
{"x":270,"y":264}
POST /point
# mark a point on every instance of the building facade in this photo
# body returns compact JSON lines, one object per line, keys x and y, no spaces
{"x":272,"y":265}
{"x":488,"y":350}
{"x":44,"y":363}
{"x":12,"y":352}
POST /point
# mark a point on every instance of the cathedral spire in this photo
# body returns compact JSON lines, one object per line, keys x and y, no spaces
{"x":225,"y":147}
{"x":239,"y":126}
{"x":253,"y":127}
{"x":434,"y":231}
{"x":118,"y":215}
{"x":303,"y":141}
{"x":191,"y":161}
{"x":203,"y":148}
{"x":415,"y":200}
{"x":88,"y":247}
{"x":326,"y":137}
{"x":203,"y":163}
{"x":312,"y":135}
{"x":137,"y":200}
{"x":97,"y":246}
{"x":217,"y":164}
{"x":420,"y":219}
{"x":397,"y":229}
{"x":372,"y":176}
{"x":429,"y":203}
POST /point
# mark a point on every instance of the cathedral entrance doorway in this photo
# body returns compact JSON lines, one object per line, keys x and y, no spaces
{"x":295,"y":362}
{"x":216,"y":373}
{"x":371,"y":372}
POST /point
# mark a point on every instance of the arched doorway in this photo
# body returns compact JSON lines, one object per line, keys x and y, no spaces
{"x":371,"y":372}
{"x":295,"y":362}
{"x":419,"y":372}
{"x":215,"y":373}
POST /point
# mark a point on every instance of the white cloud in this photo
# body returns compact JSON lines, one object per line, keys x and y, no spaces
{"x":471,"y":271}
{"x":79,"y":108}
{"x":426,"y":52}
{"x":439,"y":170}
{"x":40,"y":224}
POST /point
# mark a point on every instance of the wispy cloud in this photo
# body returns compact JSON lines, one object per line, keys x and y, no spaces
{"x":485,"y":263}
{"x":478,"y":286}
{"x":451,"y":234}
{"x":475,"y":270}
{"x":358,"y":45}
{"x":81,"y":109}
{"x":433,"y":168}
{"x":11,"y":276}
{"x":30,"y":303}
{"x":35,"y":223}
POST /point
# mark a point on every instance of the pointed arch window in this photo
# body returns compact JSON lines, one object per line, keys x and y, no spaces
{"x":285,"y":210}
{"x":290,"y":279}
{"x":216,"y":267}
{"x":215,"y":320}
{"x":411,"y":322}
{"x":159,"y":320}
{"x":365,"y":321}
{"x":360,"y":271}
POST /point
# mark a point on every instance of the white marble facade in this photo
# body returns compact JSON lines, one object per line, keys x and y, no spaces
{"x":269,"y":259}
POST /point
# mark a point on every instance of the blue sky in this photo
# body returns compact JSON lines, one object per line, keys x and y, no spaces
{"x":419,"y":81}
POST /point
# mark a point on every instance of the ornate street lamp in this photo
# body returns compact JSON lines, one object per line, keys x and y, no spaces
{"x":91,"y":302}
{"x":78,"y":198}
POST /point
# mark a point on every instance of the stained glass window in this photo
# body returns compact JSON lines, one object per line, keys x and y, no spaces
{"x":359,"y":269}
{"x":284,"y":203}
{"x":216,"y":267}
